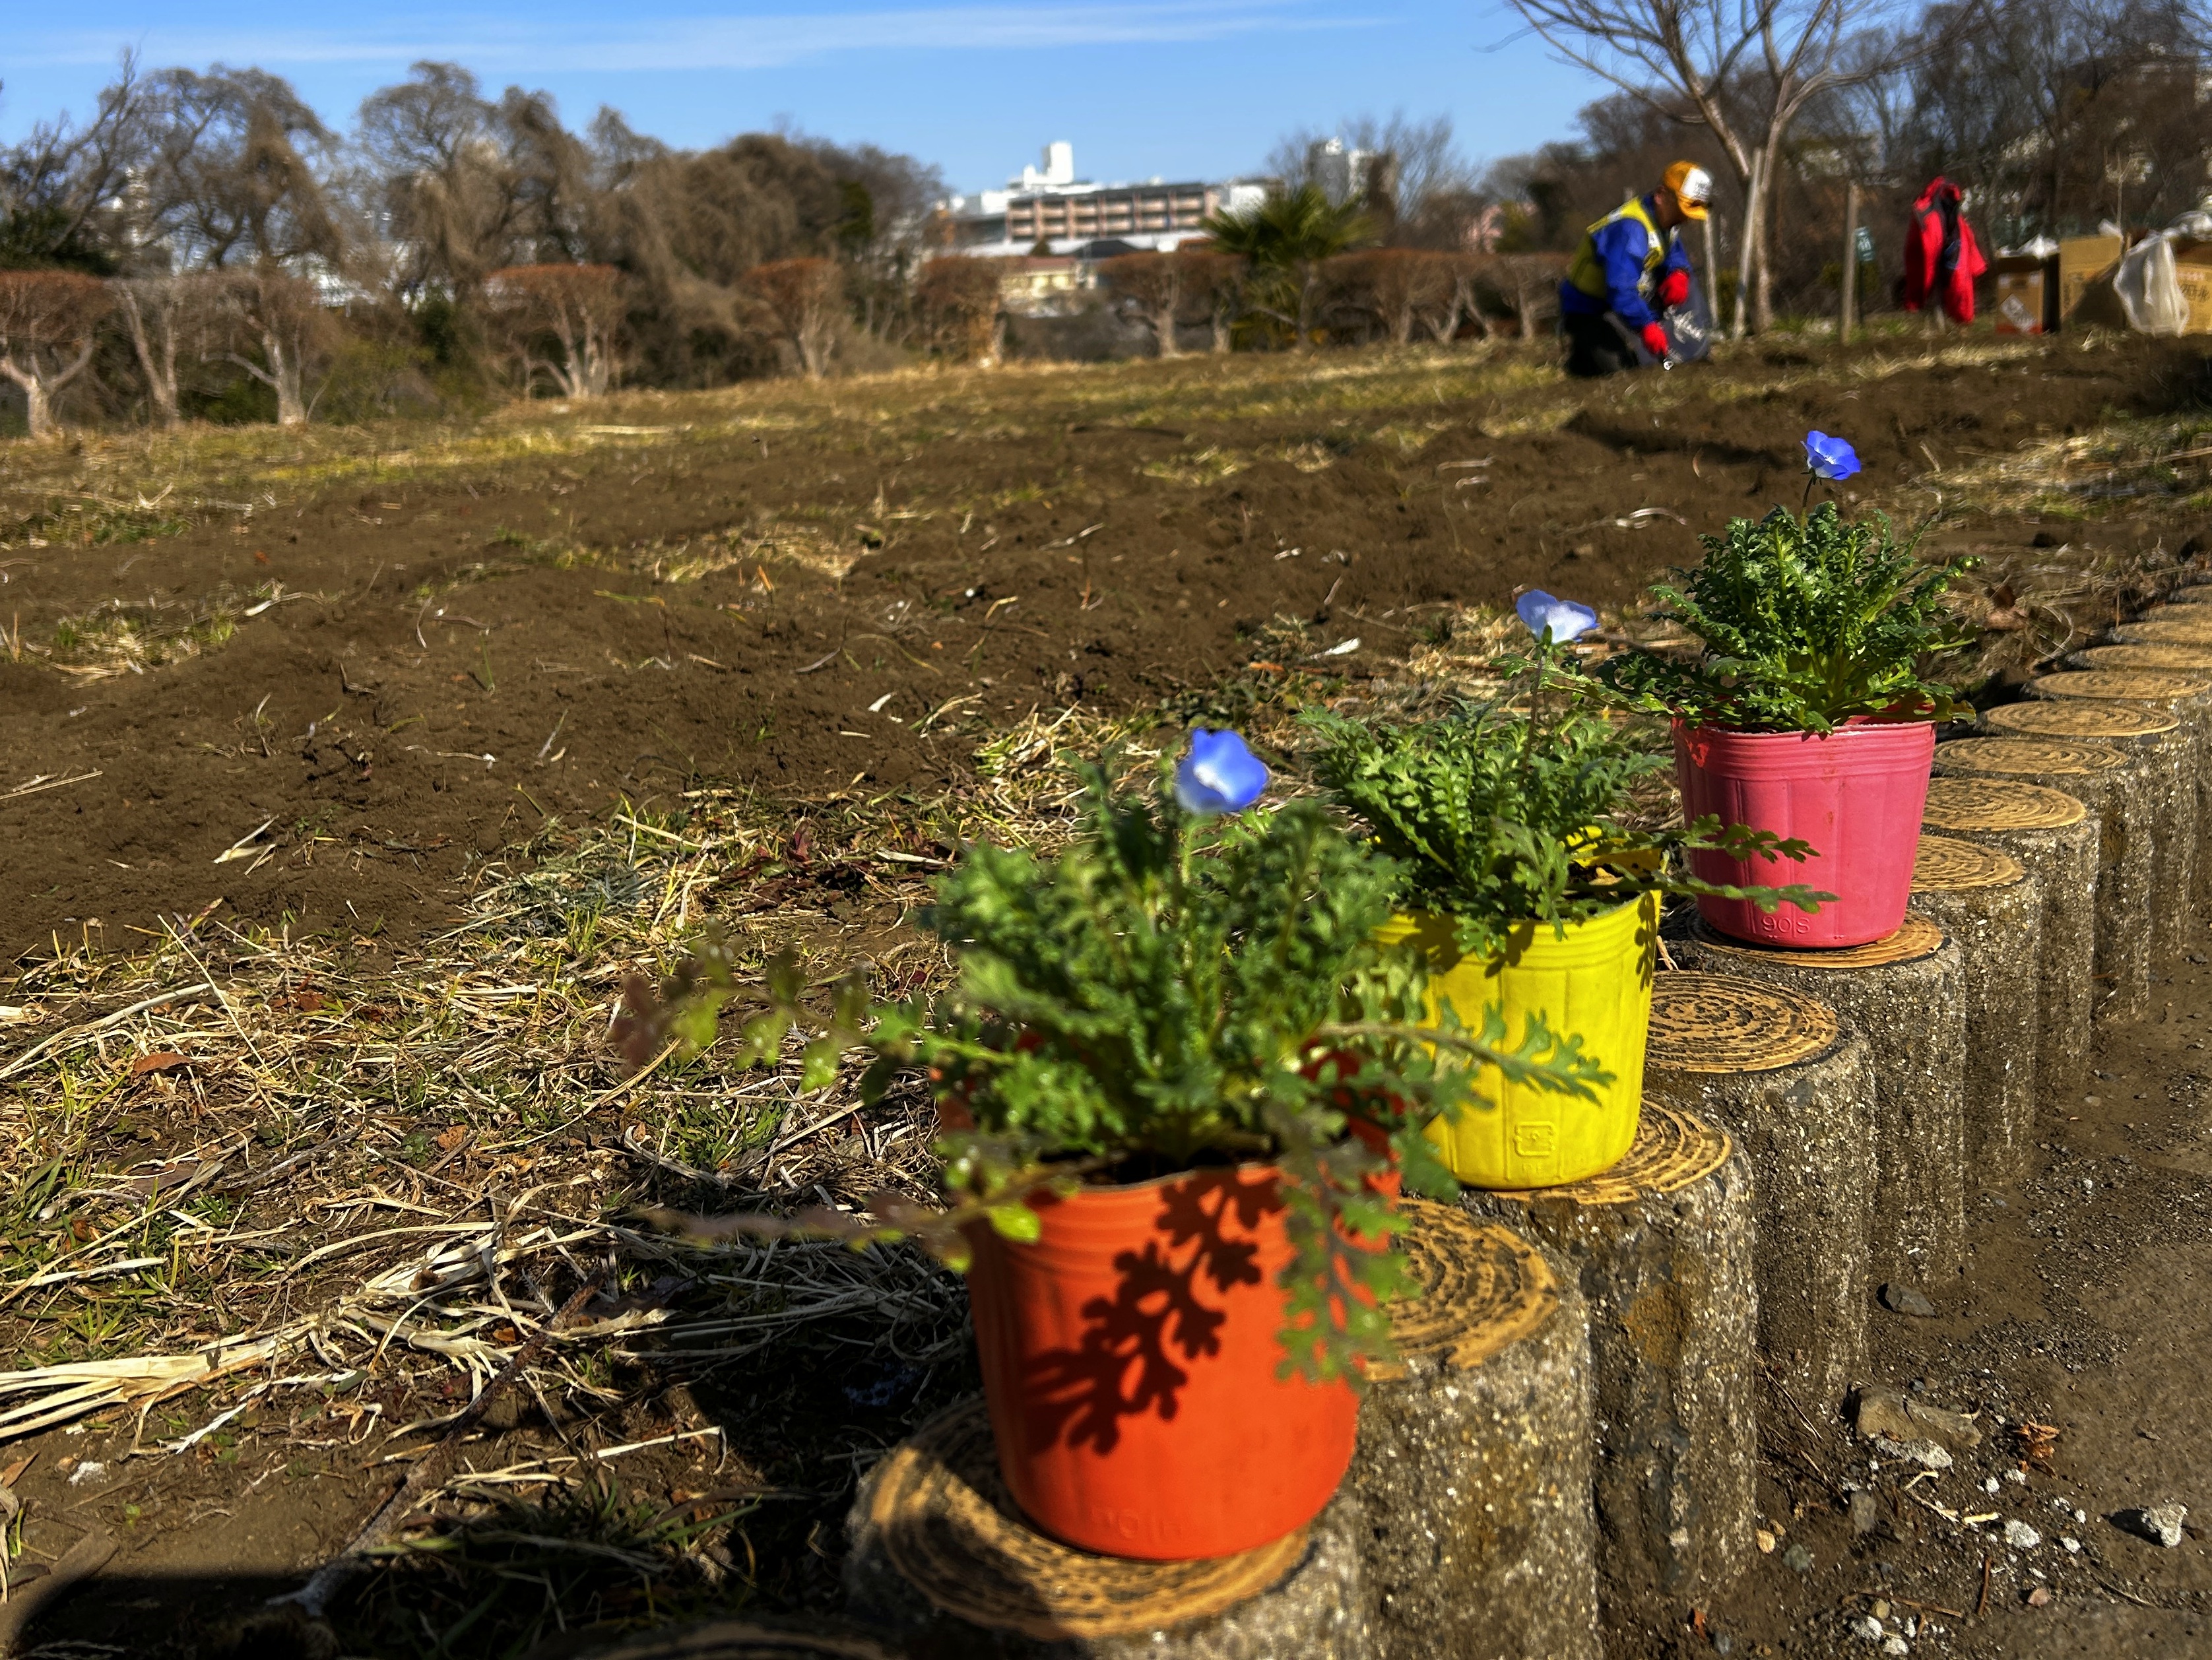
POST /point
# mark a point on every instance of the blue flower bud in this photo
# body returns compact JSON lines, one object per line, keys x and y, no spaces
{"x":1561,"y":619}
{"x":1219,"y":774}
{"x":1829,"y":457}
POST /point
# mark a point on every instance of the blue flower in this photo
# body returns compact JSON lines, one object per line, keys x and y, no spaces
{"x":1560,"y":618}
{"x":1829,"y":457}
{"x":1219,"y":774}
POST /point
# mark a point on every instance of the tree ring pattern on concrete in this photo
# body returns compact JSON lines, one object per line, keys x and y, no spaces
{"x":1719,"y":1023}
{"x":1918,"y":938}
{"x":2079,"y":717}
{"x":2040,"y":757}
{"x":1945,"y":865}
{"x":1995,"y":804}
{"x":1673,"y":1150}
{"x":2178,"y":659}
{"x":2173,"y":628}
{"x":952,"y":1531}
{"x":1483,"y":1289}
{"x":2122,"y":685}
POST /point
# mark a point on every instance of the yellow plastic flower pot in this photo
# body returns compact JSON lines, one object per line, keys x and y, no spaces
{"x":1595,"y":984}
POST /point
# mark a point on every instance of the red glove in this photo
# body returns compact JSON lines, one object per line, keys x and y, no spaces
{"x":1655,"y":340}
{"x":1674,"y":288}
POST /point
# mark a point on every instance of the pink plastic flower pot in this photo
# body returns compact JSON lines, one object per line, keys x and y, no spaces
{"x":1856,"y":794}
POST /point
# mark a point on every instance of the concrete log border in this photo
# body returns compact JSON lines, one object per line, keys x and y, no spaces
{"x":1906,"y":995}
{"x":2057,"y":838}
{"x":1795,"y":1085}
{"x":2121,"y":791}
{"x":1474,"y":1472}
{"x":2187,"y":696}
{"x":1984,"y":899}
{"x":2193,"y":662}
{"x":942,"y":1562}
{"x":2157,"y":738}
{"x":2124,"y":657}
{"x":1662,"y":1248}
{"x":2163,"y":627}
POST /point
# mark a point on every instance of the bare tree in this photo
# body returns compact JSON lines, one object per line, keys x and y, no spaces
{"x":1415,"y":167}
{"x":64,"y":189}
{"x":265,"y":309}
{"x":1147,"y":287}
{"x":237,"y":172}
{"x":1212,"y":288}
{"x":800,"y":302}
{"x":465,"y":184}
{"x":48,"y":321}
{"x":1745,"y":70}
{"x":1403,"y":290}
{"x":960,"y":302}
{"x":1528,"y":283}
{"x":1467,"y":296}
{"x":578,"y":309}
{"x":2049,"y":105}
{"x":153,"y":311}
{"x":691,"y":225}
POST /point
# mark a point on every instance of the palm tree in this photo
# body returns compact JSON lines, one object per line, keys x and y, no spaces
{"x":1285,"y":236}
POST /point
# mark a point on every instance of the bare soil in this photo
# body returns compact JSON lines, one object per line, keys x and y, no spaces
{"x":844,"y":607}
{"x":469,"y":653}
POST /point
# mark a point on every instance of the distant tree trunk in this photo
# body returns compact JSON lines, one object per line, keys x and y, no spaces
{"x":1712,"y":273}
{"x":280,"y":370}
{"x":282,"y":377}
{"x":283,"y":316}
{"x":1162,"y":318}
{"x":1308,"y":281}
{"x":1762,"y":298}
{"x":37,"y":405}
{"x":44,"y":316}
{"x":1150,"y":286}
{"x":150,"y":307}
{"x":1453,"y":296}
{"x":1751,"y":239}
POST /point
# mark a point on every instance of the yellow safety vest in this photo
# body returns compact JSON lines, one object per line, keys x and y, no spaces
{"x":1586,"y":271}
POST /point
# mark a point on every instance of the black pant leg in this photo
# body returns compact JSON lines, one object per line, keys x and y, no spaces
{"x":1596,"y":345}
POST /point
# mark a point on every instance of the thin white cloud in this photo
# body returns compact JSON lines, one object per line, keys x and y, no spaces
{"x":727,"y":42}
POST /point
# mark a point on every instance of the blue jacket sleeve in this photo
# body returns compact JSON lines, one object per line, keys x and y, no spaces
{"x":1620,"y":247}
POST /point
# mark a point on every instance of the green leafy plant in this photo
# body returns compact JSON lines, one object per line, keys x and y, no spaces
{"x":1497,"y":817}
{"x":1286,"y":237}
{"x":1177,"y":988}
{"x":1805,"y":623}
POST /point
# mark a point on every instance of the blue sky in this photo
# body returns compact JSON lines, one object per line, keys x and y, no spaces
{"x":1182,"y":87}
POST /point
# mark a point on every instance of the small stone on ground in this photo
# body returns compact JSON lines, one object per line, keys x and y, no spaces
{"x":2159,"y":1524}
{"x":1907,"y":1299}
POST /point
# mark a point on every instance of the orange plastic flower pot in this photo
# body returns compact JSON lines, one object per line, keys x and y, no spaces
{"x":1129,"y":1360}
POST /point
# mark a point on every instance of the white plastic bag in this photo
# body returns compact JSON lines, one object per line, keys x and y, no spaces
{"x":2149,"y":290}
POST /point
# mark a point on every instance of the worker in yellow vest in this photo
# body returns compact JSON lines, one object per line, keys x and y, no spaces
{"x":1631,"y":267}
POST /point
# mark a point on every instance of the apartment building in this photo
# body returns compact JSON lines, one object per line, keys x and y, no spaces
{"x":1050,"y":205}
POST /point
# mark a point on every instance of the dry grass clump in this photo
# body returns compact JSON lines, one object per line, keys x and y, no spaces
{"x":275,"y":1177}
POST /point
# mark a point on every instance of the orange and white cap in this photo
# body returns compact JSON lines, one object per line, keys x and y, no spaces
{"x":1692,"y":187}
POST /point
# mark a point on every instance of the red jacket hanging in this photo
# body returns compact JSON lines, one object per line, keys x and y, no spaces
{"x":1941,"y":259}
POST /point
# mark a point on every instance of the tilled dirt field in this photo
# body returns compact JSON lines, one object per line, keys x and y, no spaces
{"x":831,"y":597}
{"x":483,"y":718}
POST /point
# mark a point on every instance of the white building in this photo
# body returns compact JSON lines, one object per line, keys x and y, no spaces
{"x":1342,"y":173}
{"x":1071,"y":216}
